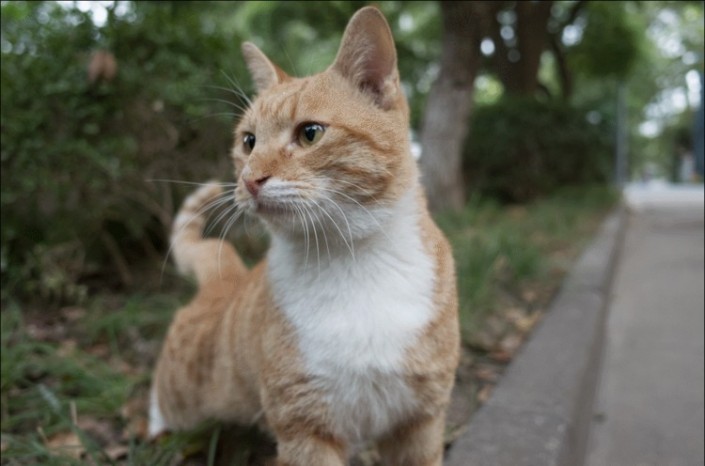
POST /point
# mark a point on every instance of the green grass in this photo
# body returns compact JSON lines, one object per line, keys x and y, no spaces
{"x":57,"y":369}
{"x":501,"y":250}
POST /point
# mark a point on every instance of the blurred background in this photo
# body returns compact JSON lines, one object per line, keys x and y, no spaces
{"x":528,"y":118}
{"x":510,"y":100}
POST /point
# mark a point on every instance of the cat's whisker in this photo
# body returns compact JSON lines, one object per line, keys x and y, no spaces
{"x":304,"y":225}
{"x":323,"y":230}
{"x":288,"y":57}
{"x":227,"y":213}
{"x":226,"y":102}
{"x":230,"y":198}
{"x":356,"y":186}
{"x":315,"y":236}
{"x":365,"y":209}
{"x":350,"y":246}
{"x":196,"y":215}
{"x":223,"y":200}
{"x":222,"y":184}
{"x":237,"y":93}
{"x":232,"y":115}
{"x":237,"y":88}
{"x":225,"y":232}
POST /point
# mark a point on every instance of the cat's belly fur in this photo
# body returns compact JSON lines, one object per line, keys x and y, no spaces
{"x":355,"y":321}
{"x":366,"y":405}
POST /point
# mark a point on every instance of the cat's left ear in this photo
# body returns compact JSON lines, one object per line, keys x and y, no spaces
{"x":367,"y":56}
{"x":265,"y":74}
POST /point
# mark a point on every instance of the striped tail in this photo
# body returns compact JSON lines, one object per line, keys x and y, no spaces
{"x":207,"y":259}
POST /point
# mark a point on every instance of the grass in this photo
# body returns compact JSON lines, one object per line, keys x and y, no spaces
{"x":69,"y":378}
{"x":501,"y":251}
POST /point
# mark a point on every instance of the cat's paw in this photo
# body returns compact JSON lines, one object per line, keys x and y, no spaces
{"x":157,"y":424}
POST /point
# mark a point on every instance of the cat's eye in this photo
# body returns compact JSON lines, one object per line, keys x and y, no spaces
{"x":310,"y":133}
{"x":248,"y":142}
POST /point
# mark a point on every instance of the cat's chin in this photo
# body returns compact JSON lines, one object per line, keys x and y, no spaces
{"x":266,"y":209}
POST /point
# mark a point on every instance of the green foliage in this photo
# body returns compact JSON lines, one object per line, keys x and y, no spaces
{"x":55,"y":373}
{"x":77,"y":156}
{"x":521,"y":148}
{"x":501,"y":251}
{"x":612,"y":41}
{"x":35,"y":374}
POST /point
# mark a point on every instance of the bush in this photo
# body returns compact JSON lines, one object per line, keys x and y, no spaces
{"x":520,"y":148}
{"x":78,"y":153}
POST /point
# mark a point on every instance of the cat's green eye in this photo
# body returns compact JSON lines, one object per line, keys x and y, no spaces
{"x":310,"y":133}
{"x":248,"y":142}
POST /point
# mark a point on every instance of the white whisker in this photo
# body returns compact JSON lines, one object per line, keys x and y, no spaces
{"x":365,"y":209}
{"x":174,"y":234}
{"x":335,"y":224}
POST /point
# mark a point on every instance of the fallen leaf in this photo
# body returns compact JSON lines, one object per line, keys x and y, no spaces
{"x":66,"y":443}
{"x":46,"y":332}
{"x":529,"y":296}
{"x":66,"y":348}
{"x":501,"y":356}
{"x":486,"y":374}
{"x":484,"y":394}
{"x":136,"y":428}
{"x":73,"y":313}
{"x":514,"y":313}
{"x":526,"y":323}
{"x":98,"y":429}
{"x":99,"y":350}
{"x":510,"y":343}
{"x":116,"y":452}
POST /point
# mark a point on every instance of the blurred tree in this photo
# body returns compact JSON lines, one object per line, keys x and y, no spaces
{"x":448,"y":106}
{"x":514,"y":38}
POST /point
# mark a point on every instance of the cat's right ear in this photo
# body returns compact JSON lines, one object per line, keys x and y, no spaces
{"x":367,"y":56}
{"x":265,"y":74}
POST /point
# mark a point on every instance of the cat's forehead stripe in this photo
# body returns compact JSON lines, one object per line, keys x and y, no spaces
{"x":285,"y":101}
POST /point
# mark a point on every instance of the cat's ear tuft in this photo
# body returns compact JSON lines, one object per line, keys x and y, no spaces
{"x":265,"y":74}
{"x":367,"y":56}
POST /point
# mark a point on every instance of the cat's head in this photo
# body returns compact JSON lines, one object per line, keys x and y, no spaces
{"x":330,"y":149}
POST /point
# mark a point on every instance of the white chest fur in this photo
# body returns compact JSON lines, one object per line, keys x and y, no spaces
{"x":355,"y":318}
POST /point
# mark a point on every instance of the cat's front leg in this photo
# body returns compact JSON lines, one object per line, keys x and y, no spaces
{"x":416,"y":443}
{"x":310,"y":450}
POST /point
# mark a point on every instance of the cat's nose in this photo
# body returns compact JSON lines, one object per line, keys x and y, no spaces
{"x":255,"y":185}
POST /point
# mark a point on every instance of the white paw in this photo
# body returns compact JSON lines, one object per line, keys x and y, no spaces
{"x":157,"y":425}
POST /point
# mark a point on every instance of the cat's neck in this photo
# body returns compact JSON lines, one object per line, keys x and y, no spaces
{"x":362,"y":231}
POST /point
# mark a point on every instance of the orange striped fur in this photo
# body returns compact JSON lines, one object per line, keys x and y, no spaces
{"x":347,"y":332}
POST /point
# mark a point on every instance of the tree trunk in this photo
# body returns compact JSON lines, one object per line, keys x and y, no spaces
{"x":531,"y":31}
{"x":448,"y":106}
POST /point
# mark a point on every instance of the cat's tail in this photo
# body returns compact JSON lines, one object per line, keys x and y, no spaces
{"x":207,"y":259}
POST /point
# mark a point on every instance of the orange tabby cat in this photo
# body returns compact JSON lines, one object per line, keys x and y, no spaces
{"x":347,"y":333}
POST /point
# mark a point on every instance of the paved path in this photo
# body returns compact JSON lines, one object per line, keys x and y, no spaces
{"x":649,"y":407}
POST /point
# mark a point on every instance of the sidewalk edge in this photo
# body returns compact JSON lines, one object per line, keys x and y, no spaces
{"x":539,"y":413}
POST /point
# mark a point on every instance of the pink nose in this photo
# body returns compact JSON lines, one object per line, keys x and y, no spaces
{"x":254,"y":186}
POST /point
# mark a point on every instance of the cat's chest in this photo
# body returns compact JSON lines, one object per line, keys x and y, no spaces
{"x":359,"y":314}
{"x":354,"y":321}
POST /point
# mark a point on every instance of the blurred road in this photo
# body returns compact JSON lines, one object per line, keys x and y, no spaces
{"x":649,"y":407}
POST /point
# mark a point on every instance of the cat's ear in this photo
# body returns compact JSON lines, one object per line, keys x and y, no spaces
{"x":367,"y":56}
{"x":264,"y":73}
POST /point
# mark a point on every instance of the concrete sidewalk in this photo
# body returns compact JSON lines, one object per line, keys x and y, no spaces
{"x":639,"y":333}
{"x":650,"y":407}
